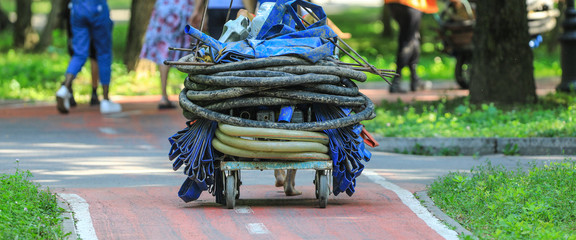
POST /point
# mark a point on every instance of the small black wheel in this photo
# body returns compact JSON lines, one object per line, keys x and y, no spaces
{"x":316,"y":181}
{"x":323,"y":190}
{"x":238,"y":183}
{"x":462,"y":69}
{"x":230,"y":191}
{"x":220,"y":179}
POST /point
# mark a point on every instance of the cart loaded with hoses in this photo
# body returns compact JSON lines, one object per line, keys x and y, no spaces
{"x":275,"y":99}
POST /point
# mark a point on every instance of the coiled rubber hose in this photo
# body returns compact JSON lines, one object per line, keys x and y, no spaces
{"x":271,"y":146}
{"x":295,"y":145}
{"x":277,"y":134}
{"x":211,"y":91}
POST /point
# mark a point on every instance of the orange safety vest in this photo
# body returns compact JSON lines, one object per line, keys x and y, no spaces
{"x":426,"y":6}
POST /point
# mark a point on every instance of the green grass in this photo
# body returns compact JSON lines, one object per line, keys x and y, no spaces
{"x":26,"y":211}
{"x":553,"y":116}
{"x":495,"y":203}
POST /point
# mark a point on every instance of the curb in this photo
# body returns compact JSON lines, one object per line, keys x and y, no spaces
{"x":68,"y":222}
{"x":427,"y":202}
{"x":478,"y":146}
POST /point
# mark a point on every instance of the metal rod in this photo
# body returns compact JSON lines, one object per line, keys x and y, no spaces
{"x":366,"y":64}
{"x":387,"y":74}
{"x":383,"y":71}
{"x":180,"y":49}
{"x":229,"y":10}
{"x":348,"y":64}
{"x":201,"y":27}
{"x":311,"y":13}
{"x":344,"y":50}
{"x":303,"y":20}
{"x":187,"y":63}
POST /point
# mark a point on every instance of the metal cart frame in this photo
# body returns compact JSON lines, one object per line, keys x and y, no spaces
{"x":231,"y":176}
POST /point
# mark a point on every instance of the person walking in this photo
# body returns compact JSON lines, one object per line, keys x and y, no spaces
{"x":166,"y":29}
{"x":90,"y":21}
{"x":93,"y":63}
{"x":408,"y":15}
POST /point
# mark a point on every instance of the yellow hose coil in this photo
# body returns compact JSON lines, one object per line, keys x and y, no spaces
{"x":271,"y":146}
{"x":307,"y":156}
{"x":272,"y":133}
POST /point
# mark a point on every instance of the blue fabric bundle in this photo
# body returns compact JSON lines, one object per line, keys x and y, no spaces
{"x":283,"y":33}
{"x":347,"y":149}
{"x":192,"y":146}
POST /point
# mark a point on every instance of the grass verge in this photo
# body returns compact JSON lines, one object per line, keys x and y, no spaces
{"x":495,"y":203}
{"x":26,"y":211}
{"x":552,"y":116}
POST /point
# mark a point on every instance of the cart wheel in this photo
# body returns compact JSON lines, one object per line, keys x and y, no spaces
{"x":238,"y":183}
{"x":220,"y":179}
{"x":230,"y":191}
{"x":322,"y":190}
{"x":316,"y":181}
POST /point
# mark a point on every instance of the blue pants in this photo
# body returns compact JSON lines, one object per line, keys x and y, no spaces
{"x":90,"y":20}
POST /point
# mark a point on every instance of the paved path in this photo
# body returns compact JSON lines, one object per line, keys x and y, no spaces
{"x":118,"y":164}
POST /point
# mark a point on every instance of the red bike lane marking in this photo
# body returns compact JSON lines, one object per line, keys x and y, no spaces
{"x":157,"y":213}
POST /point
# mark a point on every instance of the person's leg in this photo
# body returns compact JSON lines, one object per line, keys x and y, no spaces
{"x":102,"y":27}
{"x":289,"y":183}
{"x":280,"y":176}
{"x":95,"y":81}
{"x":400,"y":15}
{"x":103,"y":45}
{"x":414,"y":17}
{"x":80,"y":46}
{"x":164,"y":101}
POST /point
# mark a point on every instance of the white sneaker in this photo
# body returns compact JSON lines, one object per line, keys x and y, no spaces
{"x":63,"y":99}
{"x":107,"y":106}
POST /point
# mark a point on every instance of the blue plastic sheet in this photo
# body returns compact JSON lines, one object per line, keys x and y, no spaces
{"x":192,"y":146}
{"x":347,"y":149}
{"x":283,"y":33}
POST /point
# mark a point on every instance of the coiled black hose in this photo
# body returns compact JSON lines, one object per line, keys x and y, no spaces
{"x":211,"y":91}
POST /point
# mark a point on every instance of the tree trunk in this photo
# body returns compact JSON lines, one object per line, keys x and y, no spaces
{"x":140,"y":12}
{"x":53,"y":19}
{"x":23,"y":24}
{"x":4,"y":20}
{"x":502,"y":70}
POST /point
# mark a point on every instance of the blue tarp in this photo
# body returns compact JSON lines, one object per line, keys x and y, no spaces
{"x":283,"y":33}
{"x":347,"y":149}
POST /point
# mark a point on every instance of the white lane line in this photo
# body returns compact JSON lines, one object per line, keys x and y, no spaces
{"x":79,"y":206}
{"x":107,"y":130}
{"x":253,"y":228}
{"x":243,"y":210}
{"x":257,"y":228}
{"x":409,"y":200}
